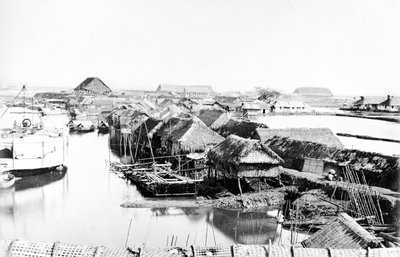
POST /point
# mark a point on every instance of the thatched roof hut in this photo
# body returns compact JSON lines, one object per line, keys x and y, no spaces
{"x":241,"y":128}
{"x":380,"y":170}
{"x":93,"y":85}
{"x":125,"y":117}
{"x":186,"y":135}
{"x":342,"y":232}
{"x":243,"y":157}
{"x":315,"y":135}
{"x":209,"y":116}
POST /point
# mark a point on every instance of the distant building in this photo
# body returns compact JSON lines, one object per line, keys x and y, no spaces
{"x":391,"y":104}
{"x":187,"y":91}
{"x":92,"y":86}
{"x":313,"y":92}
{"x":377,"y":104}
{"x":288,"y":106}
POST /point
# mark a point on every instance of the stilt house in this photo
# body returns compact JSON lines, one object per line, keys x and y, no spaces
{"x":239,"y":157}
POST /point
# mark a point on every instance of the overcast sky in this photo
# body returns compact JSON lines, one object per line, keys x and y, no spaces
{"x":349,"y":46}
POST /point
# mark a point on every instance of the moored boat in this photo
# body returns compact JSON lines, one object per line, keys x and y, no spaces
{"x":6,"y":180}
{"x":81,"y":126}
{"x":85,"y":126}
{"x":29,"y":145}
{"x":103,"y":127}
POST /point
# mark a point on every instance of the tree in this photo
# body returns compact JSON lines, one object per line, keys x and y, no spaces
{"x":267,"y":95}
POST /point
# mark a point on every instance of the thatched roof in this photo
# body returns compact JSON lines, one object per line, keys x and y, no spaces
{"x":315,"y":135}
{"x":188,"y":135}
{"x":93,"y":85}
{"x":383,"y":170}
{"x":226,"y":99}
{"x":221,"y":121}
{"x":235,"y":150}
{"x":341,"y":232}
{"x":375,"y":162}
{"x":208,"y":116}
{"x":245,"y":129}
{"x":151,"y":124}
{"x":126,"y":116}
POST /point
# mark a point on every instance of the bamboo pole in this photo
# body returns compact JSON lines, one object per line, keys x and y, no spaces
{"x":127,"y":236}
{"x":151,"y":148}
{"x":130,"y":147}
{"x":137,"y":143}
{"x":240,"y":187}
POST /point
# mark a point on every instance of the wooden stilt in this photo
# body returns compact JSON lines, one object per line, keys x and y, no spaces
{"x":240,"y":187}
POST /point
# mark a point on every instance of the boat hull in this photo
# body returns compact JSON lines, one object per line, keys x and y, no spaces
{"x":33,"y":154}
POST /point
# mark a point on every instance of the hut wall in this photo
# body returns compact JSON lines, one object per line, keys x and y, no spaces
{"x":256,"y":171}
{"x":293,"y":163}
{"x":313,"y":165}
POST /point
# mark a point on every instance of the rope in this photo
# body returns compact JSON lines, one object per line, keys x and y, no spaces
{"x":15,"y":98}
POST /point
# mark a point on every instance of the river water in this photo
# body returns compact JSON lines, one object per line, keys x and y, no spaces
{"x":81,"y":205}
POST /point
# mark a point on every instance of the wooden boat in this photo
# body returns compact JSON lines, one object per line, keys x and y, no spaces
{"x":81,"y":126}
{"x":27,"y":145}
{"x":6,"y":180}
{"x":159,"y":180}
{"x":85,"y":126}
{"x":30,"y":149}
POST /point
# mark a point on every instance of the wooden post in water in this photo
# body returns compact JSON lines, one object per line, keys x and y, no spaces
{"x":127,"y":236}
{"x":13,"y":151}
{"x":240,"y":187}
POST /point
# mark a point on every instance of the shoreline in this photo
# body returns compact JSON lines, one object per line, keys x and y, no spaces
{"x":381,"y":118}
{"x":251,"y":201}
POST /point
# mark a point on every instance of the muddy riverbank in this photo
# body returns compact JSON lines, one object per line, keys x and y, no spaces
{"x":317,"y":196}
{"x":273,"y":198}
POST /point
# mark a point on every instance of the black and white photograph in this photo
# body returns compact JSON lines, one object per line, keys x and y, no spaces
{"x":189,"y":128}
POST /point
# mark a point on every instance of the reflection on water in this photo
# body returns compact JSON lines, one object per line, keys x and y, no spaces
{"x":39,"y":180}
{"x":81,"y":205}
{"x":201,"y":226}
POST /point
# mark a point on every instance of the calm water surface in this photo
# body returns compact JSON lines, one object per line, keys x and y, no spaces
{"x":338,"y":124}
{"x":82,"y":206}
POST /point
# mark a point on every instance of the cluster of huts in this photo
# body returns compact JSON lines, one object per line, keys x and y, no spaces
{"x":93,"y":95}
{"x":239,"y":148}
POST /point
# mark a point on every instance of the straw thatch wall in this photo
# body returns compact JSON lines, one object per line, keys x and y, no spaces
{"x":341,"y":232}
{"x":243,"y":157}
{"x":23,"y":248}
{"x":379,"y":170}
{"x":315,"y":135}
{"x":245,"y":129}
